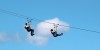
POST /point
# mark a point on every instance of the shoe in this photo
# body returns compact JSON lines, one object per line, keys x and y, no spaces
{"x":61,"y":34}
{"x":32,"y":34}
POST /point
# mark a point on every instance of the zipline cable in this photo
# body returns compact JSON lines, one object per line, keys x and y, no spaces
{"x":26,"y":17}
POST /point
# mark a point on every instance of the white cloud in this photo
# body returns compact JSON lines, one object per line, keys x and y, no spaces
{"x":38,"y":40}
{"x":44,"y":28}
{"x":3,"y":37}
{"x":42,"y":32}
{"x":17,"y":37}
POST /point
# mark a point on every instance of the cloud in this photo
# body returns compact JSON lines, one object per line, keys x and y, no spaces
{"x":38,"y":40}
{"x":44,"y":28}
{"x":42,"y":31}
{"x":3,"y":37}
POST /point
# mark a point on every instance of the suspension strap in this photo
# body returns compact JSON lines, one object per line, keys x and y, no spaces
{"x":29,"y":20}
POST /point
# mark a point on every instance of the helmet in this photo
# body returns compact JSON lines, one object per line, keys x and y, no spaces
{"x":51,"y":30}
{"x":25,"y":23}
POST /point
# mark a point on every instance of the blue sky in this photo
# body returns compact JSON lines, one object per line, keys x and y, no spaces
{"x":78,"y":13}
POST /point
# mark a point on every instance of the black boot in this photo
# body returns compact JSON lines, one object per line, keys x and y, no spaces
{"x":32,"y":34}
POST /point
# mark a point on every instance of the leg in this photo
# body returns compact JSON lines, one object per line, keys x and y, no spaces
{"x":60,"y":34}
{"x":54,"y":34}
{"x":32,"y":32}
{"x":28,"y":30}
